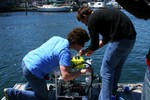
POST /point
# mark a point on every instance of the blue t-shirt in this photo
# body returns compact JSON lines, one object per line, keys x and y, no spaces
{"x":48,"y":57}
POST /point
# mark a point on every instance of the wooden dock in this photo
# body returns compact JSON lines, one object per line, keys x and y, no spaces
{"x":125,"y":90}
{"x":134,"y":93}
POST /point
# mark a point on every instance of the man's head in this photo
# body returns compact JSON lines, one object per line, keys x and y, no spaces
{"x":83,"y":14}
{"x":77,"y":38}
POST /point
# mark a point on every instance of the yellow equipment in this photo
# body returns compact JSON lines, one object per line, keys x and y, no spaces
{"x":77,"y":62}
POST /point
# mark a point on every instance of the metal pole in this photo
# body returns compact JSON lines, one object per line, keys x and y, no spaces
{"x":105,"y":1}
{"x":26,"y":7}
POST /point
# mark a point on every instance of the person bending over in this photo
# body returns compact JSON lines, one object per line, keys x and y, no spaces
{"x":116,"y":30}
{"x":44,"y":60}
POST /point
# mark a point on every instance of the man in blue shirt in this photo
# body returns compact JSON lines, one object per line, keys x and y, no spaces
{"x":44,"y":60}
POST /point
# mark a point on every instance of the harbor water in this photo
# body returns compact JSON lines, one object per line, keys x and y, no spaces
{"x":21,"y":33}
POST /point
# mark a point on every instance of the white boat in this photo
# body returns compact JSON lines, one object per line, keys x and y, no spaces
{"x":113,"y":4}
{"x":54,"y":8}
{"x":96,"y":4}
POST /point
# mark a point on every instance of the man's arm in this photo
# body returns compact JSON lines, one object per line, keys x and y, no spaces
{"x":68,"y":75}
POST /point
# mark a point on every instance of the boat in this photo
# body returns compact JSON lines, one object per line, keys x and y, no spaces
{"x":96,"y":5}
{"x":54,"y":8}
{"x":77,"y":91}
{"x":113,"y":4}
{"x":85,"y":87}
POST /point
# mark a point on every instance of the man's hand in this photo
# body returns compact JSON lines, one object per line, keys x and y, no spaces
{"x":83,"y":71}
{"x":81,"y":52}
{"x":86,"y":52}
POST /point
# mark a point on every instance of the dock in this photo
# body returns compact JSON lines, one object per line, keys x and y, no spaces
{"x":127,"y":91}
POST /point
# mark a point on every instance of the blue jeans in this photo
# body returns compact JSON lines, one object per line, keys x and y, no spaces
{"x":146,"y":86}
{"x":111,"y":68}
{"x":40,"y":91}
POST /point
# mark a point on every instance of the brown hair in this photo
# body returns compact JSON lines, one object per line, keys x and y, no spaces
{"x":83,"y":11}
{"x":78,"y":36}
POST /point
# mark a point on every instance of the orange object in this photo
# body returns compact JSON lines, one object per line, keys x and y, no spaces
{"x":148,"y":62}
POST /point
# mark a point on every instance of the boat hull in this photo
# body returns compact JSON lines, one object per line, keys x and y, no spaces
{"x":54,"y":9}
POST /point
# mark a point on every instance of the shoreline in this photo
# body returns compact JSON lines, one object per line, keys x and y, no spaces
{"x":8,"y":9}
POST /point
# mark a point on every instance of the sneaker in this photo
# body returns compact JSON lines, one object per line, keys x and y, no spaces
{"x":6,"y":94}
{"x":113,"y":97}
{"x":27,"y":86}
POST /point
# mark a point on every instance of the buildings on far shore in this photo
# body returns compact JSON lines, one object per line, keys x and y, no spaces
{"x":19,"y":5}
{"x":11,"y":5}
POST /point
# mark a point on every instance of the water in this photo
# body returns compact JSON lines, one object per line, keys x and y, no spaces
{"x":20,"y":33}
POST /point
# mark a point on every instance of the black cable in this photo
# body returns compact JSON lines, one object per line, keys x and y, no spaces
{"x":92,"y":74}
